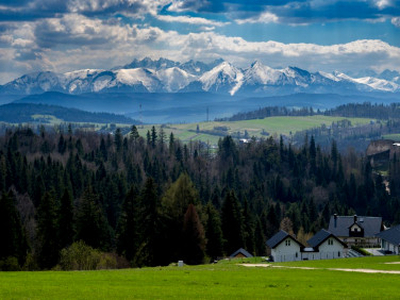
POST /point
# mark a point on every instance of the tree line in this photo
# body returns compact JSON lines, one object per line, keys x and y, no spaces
{"x":349,"y":110}
{"x":153,"y":200}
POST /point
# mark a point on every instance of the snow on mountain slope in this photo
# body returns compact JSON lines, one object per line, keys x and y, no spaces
{"x":223,"y":77}
{"x":138,"y":76}
{"x":37,"y":82}
{"x":174,"y":79}
{"x":261,"y":74}
{"x":79,"y":81}
{"x":379,"y":84}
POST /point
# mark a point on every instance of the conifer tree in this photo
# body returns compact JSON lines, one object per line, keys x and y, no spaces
{"x":232,"y":224}
{"x":65,"y":220}
{"x":128,"y":225}
{"x":213,"y":232}
{"x":12,"y":235}
{"x":47,"y":232}
{"x":91,"y":224}
{"x":194,"y":239}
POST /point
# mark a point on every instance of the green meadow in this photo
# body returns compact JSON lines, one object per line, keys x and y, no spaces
{"x":272,"y":125}
{"x":224,"y":280}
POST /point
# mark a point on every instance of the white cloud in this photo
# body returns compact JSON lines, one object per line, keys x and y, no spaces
{"x":130,"y":7}
{"x":190,"y":20}
{"x":74,"y":41}
{"x":396,"y":21}
{"x":382,"y":4}
{"x":265,"y":17}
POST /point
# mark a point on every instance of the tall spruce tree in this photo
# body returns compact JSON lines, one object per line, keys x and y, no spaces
{"x":91,"y":224}
{"x":65,"y":220}
{"x":12,"y":234}
{"x":150,"y":239}
{"x":194,"y":239}
{"x":214,"y":237}
{"x":128,"y":225}
{"x":47,"y":232}
{"x":232,"y":224}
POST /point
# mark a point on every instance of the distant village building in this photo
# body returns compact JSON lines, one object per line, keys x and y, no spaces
{"x":323,"y":245}
{"x":356,"y":230}
{"x":285,"y":247}
{"x":390,"y":240}
{"x":241,"y":253}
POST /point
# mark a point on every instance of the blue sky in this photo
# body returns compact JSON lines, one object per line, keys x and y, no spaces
{"x":327,"y":35}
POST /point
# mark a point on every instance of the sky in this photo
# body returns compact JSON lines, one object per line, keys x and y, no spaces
{"x":316,"y":35}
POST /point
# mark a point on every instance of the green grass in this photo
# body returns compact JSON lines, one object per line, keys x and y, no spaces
{"x":376,"y":263}
{"x":225,"y":280}
{"x":273,"y":125}
{"x":393,"y":136}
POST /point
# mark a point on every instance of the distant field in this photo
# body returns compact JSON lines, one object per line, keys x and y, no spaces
{"x":394,"y":136}
{"x":273,"y":125}
{"x":224,"y":280}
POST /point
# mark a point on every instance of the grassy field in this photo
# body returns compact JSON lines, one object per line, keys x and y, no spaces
{"x":273,"y":125}
{"x":225,"y":280}
{"x":393,"y":136}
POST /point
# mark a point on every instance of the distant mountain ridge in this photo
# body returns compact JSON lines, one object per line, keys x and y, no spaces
{"x":221,"y":77}
{"x":25,"y":112}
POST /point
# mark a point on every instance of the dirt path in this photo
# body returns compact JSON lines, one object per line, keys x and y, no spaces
{"x":371,"y":271}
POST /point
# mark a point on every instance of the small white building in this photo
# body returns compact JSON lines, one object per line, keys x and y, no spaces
{"x":285,"y":247}
{"x":390,"y":240}
{"x":324,"y":245}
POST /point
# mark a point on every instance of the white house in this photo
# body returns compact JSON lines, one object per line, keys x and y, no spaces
{"x":356,"y":230}
{"x":324,"y":245}
{"x":390,"y":240}
{"x":285,"y":247}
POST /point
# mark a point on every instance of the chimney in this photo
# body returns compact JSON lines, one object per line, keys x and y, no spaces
{"x":335,"y":220}
{"x":355,"y":218}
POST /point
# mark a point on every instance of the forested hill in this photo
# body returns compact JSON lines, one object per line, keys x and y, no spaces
{"x":154,"y":200}
{"x":350,"y":110}
{"x":30,"y":113}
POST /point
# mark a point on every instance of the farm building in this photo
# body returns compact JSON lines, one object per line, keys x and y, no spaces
{"x":285,"y":247}
{"x":241,"y":253}
{"x":323,"y":245}
{"x":356,"y":230}
{"x":390,"y":240}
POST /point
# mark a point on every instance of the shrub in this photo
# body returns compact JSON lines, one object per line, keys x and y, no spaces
{"x":10,"y":263}
{"x":79,"y":256}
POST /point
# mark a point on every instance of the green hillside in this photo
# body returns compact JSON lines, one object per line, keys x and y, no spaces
{"x":224,"y":280}
{"x":210,"y":131}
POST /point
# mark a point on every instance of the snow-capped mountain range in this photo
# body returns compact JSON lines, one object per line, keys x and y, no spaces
{"x":166,"y":76}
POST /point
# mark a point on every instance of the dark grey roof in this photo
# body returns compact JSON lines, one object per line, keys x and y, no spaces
{"x":279,"y":237}
{"x":371,"y":225}
{"x":320,"y":237}
{"x":242,"y":251}
{"x":392,"y":235}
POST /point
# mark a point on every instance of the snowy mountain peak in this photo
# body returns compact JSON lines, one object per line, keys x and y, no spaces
{"x":163,"y":75}
{"x":222,"y":77}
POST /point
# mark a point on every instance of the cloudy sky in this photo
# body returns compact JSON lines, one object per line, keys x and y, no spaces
{"x":328,"y":35}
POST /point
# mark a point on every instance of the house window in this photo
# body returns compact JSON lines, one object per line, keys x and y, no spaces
{"x":296,"y":255}
{"x":287,"y":242}
{"x":330,"y":242}
{"x":338,"y":254}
